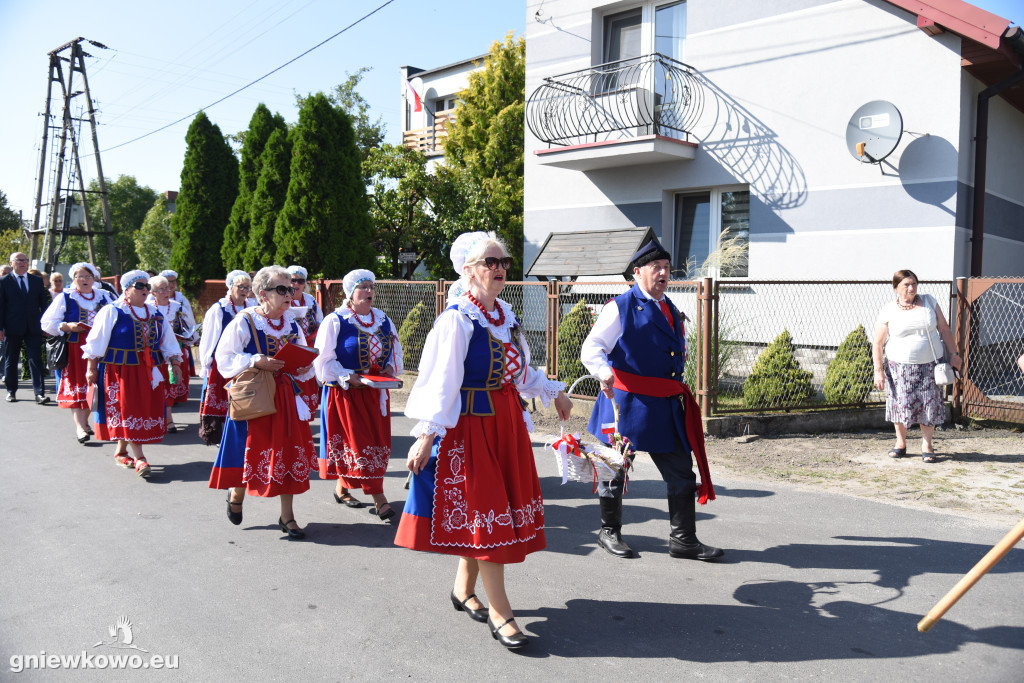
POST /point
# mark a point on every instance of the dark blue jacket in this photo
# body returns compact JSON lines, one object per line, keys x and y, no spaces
{"x":20,"y":312}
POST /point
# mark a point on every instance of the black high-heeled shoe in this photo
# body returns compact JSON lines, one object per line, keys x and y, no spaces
{"x":234,"y":517}
{"x":512,"y":642}
{"x":292,"y":533}
{"x":474,"y":614}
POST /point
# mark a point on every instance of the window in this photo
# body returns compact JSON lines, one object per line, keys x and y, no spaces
{"x":704,"y":222}
{"x":643,"y":30}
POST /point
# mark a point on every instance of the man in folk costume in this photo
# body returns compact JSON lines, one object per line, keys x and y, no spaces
{"x":637,"y":348}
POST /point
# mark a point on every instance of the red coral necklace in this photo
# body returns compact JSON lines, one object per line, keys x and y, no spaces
{"x":92,"y":294}
{"x":501,"y":312}
{"x":358,"y":320}
{"x":131,"y":309}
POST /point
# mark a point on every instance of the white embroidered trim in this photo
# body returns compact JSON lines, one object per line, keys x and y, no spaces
{"x":271,"y":466}
{"x":99,"y":297}
{"x":471,"y":310}
{"x":379,"y":316}
{"x":372,"y":464}
{"x":124,"y":306}
{"x":550,"y":390}
{"x":425,"y":427}
{"x":262,"y":326}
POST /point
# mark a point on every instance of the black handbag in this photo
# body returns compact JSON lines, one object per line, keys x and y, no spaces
{"x":57,"y":352}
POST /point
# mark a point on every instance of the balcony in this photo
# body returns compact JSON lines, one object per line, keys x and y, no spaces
{"x":625,"y":113}
{"x":430,"y":140}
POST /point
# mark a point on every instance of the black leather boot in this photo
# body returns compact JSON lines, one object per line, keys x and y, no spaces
{"x":683,"y":542}
{"x":611,"y":522}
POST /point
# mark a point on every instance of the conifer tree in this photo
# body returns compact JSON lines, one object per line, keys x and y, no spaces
{"x":236,"y":234}
{"x":485,"y":142}
{"x":777,"y":378}
{"x":849,"y":377}
{"x":209,"y":184}
{"x":267,"y":200}
{"x":572,"y":330}
{"x":324,"y":224}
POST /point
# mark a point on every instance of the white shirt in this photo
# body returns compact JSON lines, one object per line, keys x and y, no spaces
{"x":909,"y":332}
{"x":230,"y":353}
{"x":213,"y":326}
{"x":53,"y":316}
{"x":603,"y":337}
{"x":436,"y":400}
{"x":187,"y":317}
{"x":328,"y":368}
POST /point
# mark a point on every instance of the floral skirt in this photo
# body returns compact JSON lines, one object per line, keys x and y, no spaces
{"x":911,"y":395}
{"x":72,"y":389}
{"x":355,"y":443}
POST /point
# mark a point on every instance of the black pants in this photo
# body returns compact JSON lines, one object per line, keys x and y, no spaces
{"x":33,"y":349}
{"x":676,"y":468}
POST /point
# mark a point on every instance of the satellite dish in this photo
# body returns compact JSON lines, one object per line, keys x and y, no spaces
{"x":874,"y":131}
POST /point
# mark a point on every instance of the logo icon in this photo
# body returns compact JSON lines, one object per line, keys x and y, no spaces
{"x":126,"y":639}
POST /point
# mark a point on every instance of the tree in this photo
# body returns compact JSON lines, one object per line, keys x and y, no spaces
{"x":9,"y":218}
{"x":400,"y":204}
{"x":324,"y":225}
{"x":153,"y":239}
{"x":485,"y":142}
{"x":209,"y":184}
{"x":368,"y":134}
{"x":777,"y":378}
{"x":236,"y":234}
{"x":268,"y":199}
{"x":849,"y":377}
{"x":572,"y":330}
{"x":128,"y":202}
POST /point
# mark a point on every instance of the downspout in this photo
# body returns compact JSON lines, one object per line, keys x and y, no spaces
{"x":981,"y":152}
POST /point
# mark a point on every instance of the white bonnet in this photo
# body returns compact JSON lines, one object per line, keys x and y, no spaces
{"x":354,"y":278}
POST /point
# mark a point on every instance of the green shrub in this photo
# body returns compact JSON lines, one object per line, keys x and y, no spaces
{"x":849,"y":378}
{"x":727,"y":349}
{"x":412,"y":334}
{"x":777,"y":378}
{"x":572,"y":330}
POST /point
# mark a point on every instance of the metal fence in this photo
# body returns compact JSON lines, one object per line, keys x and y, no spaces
{"x":732,"y":323}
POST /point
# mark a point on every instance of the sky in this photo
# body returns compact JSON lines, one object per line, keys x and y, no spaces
{"x":167,"y":60}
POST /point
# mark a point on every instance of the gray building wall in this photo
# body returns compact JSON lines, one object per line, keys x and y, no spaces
{"x":782,"y":79}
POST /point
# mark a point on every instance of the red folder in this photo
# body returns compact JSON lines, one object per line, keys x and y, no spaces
{"x":295,"y":356}
{"x":379,"y":381}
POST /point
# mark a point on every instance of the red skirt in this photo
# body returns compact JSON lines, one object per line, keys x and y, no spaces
{"x":279,"y":450}
{"x":356,"y":441}
{"x":72,"y":389}
{"x":215,"y":398}
{"x":134,"y":410}
{"x":487,"y":503}
{"x":311,"y":395}
{"x":176,"y":393}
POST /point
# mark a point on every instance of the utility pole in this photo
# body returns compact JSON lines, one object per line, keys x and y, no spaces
{"x":63,"y":196}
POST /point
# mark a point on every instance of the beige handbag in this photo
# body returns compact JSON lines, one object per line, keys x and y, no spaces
{"x":251,"y":392}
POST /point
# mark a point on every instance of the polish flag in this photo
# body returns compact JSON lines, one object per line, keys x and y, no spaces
{"x":418,"y":106}
{"x":608,"y":428}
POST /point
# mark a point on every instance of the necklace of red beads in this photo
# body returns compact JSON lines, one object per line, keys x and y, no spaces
{"x":501,"y":312}
{"x":131,"y":309}
{"x":358,"y":320}
{"x":92,"y":294}
{"x":278,"y":327}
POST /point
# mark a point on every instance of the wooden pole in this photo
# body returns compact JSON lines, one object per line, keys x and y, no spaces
{"x":970,"y":578}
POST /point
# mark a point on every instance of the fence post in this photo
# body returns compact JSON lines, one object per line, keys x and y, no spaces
{"x":439,"y":298}
{"x":704,"y":377}
{"x":552,"y":316}
{"x":960,"y":339}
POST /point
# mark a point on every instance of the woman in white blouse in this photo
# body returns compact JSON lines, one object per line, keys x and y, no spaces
{"x":128,"y":341}
{"x":475,"y":493}
{"x":213,"y":407}
{"x":72,"y":312}
{"x":355,"y":446}
{"x":275,"y":452}
{"x":911,"y":335}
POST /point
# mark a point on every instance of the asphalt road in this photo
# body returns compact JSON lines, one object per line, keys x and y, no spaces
{"x":813,"y":586}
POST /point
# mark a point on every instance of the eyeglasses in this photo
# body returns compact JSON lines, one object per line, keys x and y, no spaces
{"x":141,"y":285}
{"x":282,"y":290}
{"x":162,"y":289}
{"x":493,"y":262}
{"x":243,"y":288}
{"x":298,"y":281}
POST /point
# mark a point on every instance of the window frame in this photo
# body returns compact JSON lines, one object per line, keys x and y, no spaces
{"x":648,"y":11}
{"x":714,"y":222}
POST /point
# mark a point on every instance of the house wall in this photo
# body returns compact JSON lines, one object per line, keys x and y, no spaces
{"x":782,"y":79}
{"x":435,"y":84}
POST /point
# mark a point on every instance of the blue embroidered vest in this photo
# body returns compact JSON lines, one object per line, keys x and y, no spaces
{"x":484,"y":368}
{"x":352,"y":347}
{"x":651,"y":348}
{"x":73,"y":313}
{"x":130,"y":337}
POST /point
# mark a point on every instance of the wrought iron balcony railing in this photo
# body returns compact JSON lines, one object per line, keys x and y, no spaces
{"x":648,"y":95}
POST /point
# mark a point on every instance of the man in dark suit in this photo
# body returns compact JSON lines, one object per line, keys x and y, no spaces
{"x":22,"y":302}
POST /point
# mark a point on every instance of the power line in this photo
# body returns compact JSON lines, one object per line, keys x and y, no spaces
{"x":212,"y":104}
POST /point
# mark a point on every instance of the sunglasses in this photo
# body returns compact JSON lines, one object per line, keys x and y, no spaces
{"x":298,"y":281}
{"x":492,"y":262}
{"x":141,"y":285}
{"x":283,"y":290}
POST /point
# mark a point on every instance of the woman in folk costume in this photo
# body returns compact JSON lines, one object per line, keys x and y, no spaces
{"x":309,"y":317}
{"x":128,"y":342}
{"x":177,"y":386}
{"x":188,"y":319}
{"x":275,"y":453}
{"x":213,"y":407}
{"x":73,"y":311}
{"x":475,"y":492}
{"x":356,"y":420}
